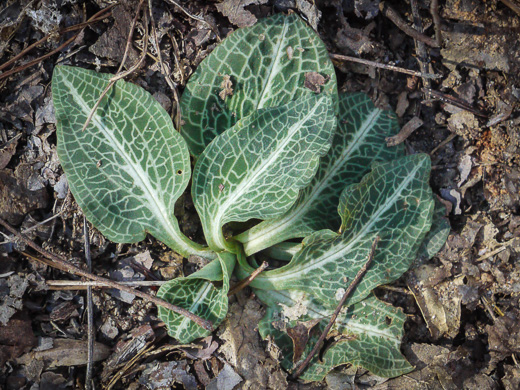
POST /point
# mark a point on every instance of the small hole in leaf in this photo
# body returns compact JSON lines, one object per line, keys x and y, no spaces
{"x":388,"y":320}
{"x":179,"y":172}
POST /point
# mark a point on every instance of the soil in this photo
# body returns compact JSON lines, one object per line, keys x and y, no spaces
{"x":463,"y":306}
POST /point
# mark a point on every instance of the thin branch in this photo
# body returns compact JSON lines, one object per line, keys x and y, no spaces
{"x":90,"y":311}
{"x":513,"y":5}
{"x":95,"y":18}
{"x":349,"y":291}
{"x":62,"y":264}
{"x":121,"y":75}
{"x":188,"y":14}
{"x":340,"y":57}
{"x":394,"y":16}
{"x":245,"y":282}
{"x":40,"y":59}
{"x":434,"y":10}
{"x":83,"y":284}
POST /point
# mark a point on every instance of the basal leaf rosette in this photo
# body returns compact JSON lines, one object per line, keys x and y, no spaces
{"x":256,"y":168}
{"x":263,"y":66}
{"x":129,"y":166}
{"x":198,"y":294}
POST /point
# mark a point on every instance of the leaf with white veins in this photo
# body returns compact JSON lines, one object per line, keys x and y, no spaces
{"x":367,"y":334}
{"x":359,"y":141}
{"x":394,"y":202}
{"x":197,"y":294}
{"x":256,"y":168}
{"x":129,"y":166}
{"x":259,"y":67}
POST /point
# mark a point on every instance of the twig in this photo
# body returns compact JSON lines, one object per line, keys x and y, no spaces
{"x":434,"y":10}
{"x":392,"y":14}
{"x":420,"y":48}
{"x":513,"y":5}
{"x":410,"y":126}
{"x":350,"y":288}
{"x":64,"y":265}
{"x":119,"y":75}
{"x":188,"y":14}
{"x":245,"y":282}
{"x":340,"y":57}
{"x":90,"y":311}
{"x":40,"y":59}
{"x":448,"y":139}
{"x":164,"y":68}
{"x":448,"y":99}
{"x":95,"y":18}
{"x":83,"y":284}
{"x":491,"y":254}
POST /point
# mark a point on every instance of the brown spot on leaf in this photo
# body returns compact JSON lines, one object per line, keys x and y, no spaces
{"x":314,"y":81}
{"x":227,"y":87}
{"x":300,"y":336}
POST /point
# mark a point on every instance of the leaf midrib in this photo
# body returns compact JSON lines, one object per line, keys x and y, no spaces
{"x":252,"y":175}
{"x":273,"y":66}
{"x":316,"y":191}
{"x":332,"y":255}
{"x":143,"y":181}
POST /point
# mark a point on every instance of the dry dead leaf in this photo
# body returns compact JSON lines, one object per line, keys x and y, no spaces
{"x":235,"y":11}
{"x":300,"y":336}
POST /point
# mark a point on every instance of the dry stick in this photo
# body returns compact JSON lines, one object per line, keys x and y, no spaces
{"x":164,"y":70}
{"x":245,"y":282}
{"x":38,"y":60}
{"x":83,"y":284}
{"x":350,"y":288}
{"x":420,"y":48}
{"x":119,"y":76}
{"x":95,"y":18}
{"x":90,"y":310}
{"x":64,"y":265}
{"x":341,"y":57}
{"x":392,"y":14}
{"x":188,"y":14}
{"x":511,"y":4}
{"x":434,"y":10}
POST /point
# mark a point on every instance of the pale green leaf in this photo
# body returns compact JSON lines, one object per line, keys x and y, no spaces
{"x":367,"y":334}
{"x":266,"y":65}
{"x":197,"y":294}
{"x":129,"y":166}
{"x":394,"y":202}
{"x":359,"y":141}
{"x":245,"y":173}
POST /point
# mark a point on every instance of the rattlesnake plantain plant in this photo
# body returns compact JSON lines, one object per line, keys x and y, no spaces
{"x":273,"y":142}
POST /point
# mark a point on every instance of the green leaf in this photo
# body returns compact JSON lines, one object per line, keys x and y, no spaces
{"x":438,"y":234}
{"x":359,"y":141}
{"x":129,"y":166}
{"x":246,"y":173}
{"x":367,"y":334}
{"x":266,"y":65}
{"x":394,"y":202}
{"x":197,"y":294}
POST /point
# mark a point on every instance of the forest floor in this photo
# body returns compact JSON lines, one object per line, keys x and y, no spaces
{"x":463,"y":306}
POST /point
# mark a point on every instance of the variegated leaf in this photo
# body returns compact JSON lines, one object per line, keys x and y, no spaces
{"x":257,"y":67}
{"x":359,"y":141}
{"x":245,"y":173}
{"x":129,"y":166}
{"x":197,"y":294}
